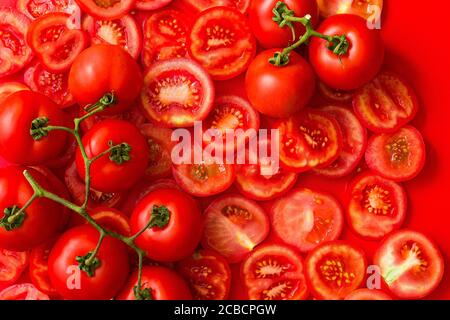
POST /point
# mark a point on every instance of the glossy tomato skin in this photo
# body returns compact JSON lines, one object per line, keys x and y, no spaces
{"x":151,"y":4}
{"x":72,"y":283}
{"x":106,"y":10}
{"x":12,"y":264}
{"x":359,"y":65}
{"x":368,"y":294}
{"x":16,"y":114}
{"x":279,"y":92}
{"x":164,"y":284}
{"x":267,"y":31}
{"x":8,"y":88}
{"x":99,"y":70}
{"x":176,"y":240}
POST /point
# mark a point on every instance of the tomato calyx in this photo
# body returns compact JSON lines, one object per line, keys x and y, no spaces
{"x":120,"y":153}
{"x":38,"y":128}
{"x":142,"y":293}
{"x":106,"y":101}
{"x":160,"y":217}
{"x":88,"y":263}
{"x":13,"y":218}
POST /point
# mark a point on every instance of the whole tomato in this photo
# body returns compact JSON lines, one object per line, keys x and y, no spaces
{"x":103,"y":69}
{"x":279,"y":91}
{"x":362,"y":61}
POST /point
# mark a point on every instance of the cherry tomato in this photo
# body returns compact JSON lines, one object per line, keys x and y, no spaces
{"x":201,"y":5}
{"x":39,"y":268}
{"x":361,"y":8}
{"x":23,"y":291}
{"x":274,"y":272}
{"x":151,"y":4}
{"x":279,"y":92}
{"x":108,"y":10}
{"x":8,"y":88}
{"x":410,"y":263}
{"x":356,"y":67}
{"x":37,"y":8}
{"x":12,"y":265}
{"x":73,"y":283}
{"x":368,"y":294}
{"x":222,"y":42}
{"x":335,"y":95}
{"x":234,"y":226}
{"x":399,"y":156}
{"x":208,"y":275}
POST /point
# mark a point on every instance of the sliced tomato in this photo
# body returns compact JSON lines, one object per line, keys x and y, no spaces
{"x":208,"y":275}
{"x":234,"y":226}
{"x":335,"y":269}
{"x":123,"y":32}
{"x":106,"y":9}
{"x":274,"y":272}
{"x":312,"y":139}
{"x":177,"y":93}
{"x":334,"y":95}
{"x":167,"y":51}
{"x":306,"y":218}
{"x":12,"y":264}
{"x":222,"y":42}
{"x":23,"y":291}
{"x":377,"y":206}
{"x":37,"y":8}
{"x":411,"y":264}
{"x":201,"y":5}
{"x":14,"y":52}
{"x":151,"y":4}
{"x":39,"y":268}
{"x":354,"y":143}
{"x":8,"y":88}
{"x":386,"y":104}
{"x":368,"y":294}
{"x":361,"y":8}
{"x":399,"y":156}
{"x":111,"y":219}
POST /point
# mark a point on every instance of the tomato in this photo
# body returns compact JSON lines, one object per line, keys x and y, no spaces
{"x":386,"y":104}
{"x":37,"y":8}
{"x":16,"y":115}
{"x":377,"y":206}
{"x":399,"y":156}
{"x":335,"y":95}
{"x":151,"y":4}
{"x":73,"y":283}
{"x":114,"y":171}
{"x":368,"y":294}
{"x":208,"y":275}
{"x":311,"y":139}
{"x":222,"y":42}
{"x":274,"y":272}
{"x":279,"y":92}
{"x":201,"y":5}
{"x":411,"y":264}
{"x":53,"y":85}
{"x":99,"y":70}
{"x":8,"y":88}
{"x":108,"y":10}
{"x":55,"y":44}
{"x":177,"y":93}
{"x":109,"y":218}
{"x":23,"y":291}
{"x":359,"y":64}
{"x":41,"y":220}
{"x":39,"y":268}
{"x":12,"y":265}
{"x":162,"y":283}
{"x":123,"y":32}
{"x":177,"y":226}
{"x":14,"y":52}
{"x":268,"y":32}
{"x":361,"y":8}
{"x":305,"y":218}
{"x":354,"y":143}
{"x":234,"y":226}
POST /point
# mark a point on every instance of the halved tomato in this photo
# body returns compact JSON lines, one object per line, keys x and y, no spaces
{"x":222,"y":42}
{"x":111,"y":219}
{"x":14,"y":52}
{"x":12,"y":264}
{"x":274,"y":272}
{"x":208,"y":275}
{"x":23,"y":291}
{"x":167,"y":51}
{"x":123,"y":32}
{"x":377,"y":206}
{"x":234,"y":226}
{"x":354,"y":143}
{"x":411,"y":264}
{"x":361,"y":8}
{"x":177,"y":93}
{"x":8,"y":88}
{"x":334,"y":95}
{"x":386,"y":104}
{"x":368,"y":294}
{"x":106,"y":9}
{"x":151,"y":4}
{"x":399,"y":156}
{"x":201,"y":5}
{"x":335,"y":269}
{"x":306,"y":218}
{"x":39,"y":268}
{"x":311,"y":139}
{"x":37,"y":8}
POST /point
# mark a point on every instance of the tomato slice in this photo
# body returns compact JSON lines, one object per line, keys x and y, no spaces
{"x":111,"y":219}
{"x":335,"y":269}
{"x":222,"y":42}
{"x":234,"y":226}
{"x":123,"y":32}
{"x":274,"y":272}
{"x":14,"y":52}
{"x":411,"y":264}
{"x":106,"y":9}
{"x":8,"y":88}
{"x":399,"y":156}
{"x":335,"y":95}
{"x":169,"y":50}
{"x":377,"y":206}
{"x":306,"y":218}
{"x":386,"y":104}
{"x":201,"y":5}
{"x":312,"y":139}
{"x":177,"y":93}
{"x":12,"y":264}
{"x":37,"y":8}
{"x":24,"y":291}
{"x":39,"y":268}
{"x":368,"y":294}
{"x":151,"y":4}
{"x":354,"y":143}
{"x":208,"y":275}
{"x":361,"y":8}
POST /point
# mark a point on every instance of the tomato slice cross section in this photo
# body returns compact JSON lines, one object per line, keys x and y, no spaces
{"x":23,"y":291}
{"x":12,"y":264}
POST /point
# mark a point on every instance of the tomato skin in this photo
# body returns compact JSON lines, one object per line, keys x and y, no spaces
{"x":38,"y":270}
{"x":23,"y":291}
{"x":279,"y":92}
{"x":368,"y":294}
{"x":151,"y":4}
{"x":99,"y":70}
{"x":112,"y":10}
{"x":12,"y":264}
{"x":179,"y":238}
{"x":114,"y":264}
{"x":165,"y":284}
{"x":359,"y":65}
{"x":8,"y":88}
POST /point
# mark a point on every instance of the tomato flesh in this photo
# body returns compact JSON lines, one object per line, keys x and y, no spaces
{"x":332,"y":7}
{"x":151,"y":4}
{"x":24,"y":291}
{"x":201,"y":5}
{"x":106,"y":9}
{"x":37,"y":8}
{"x":39,"y":268}
{"x":12,"y":264}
